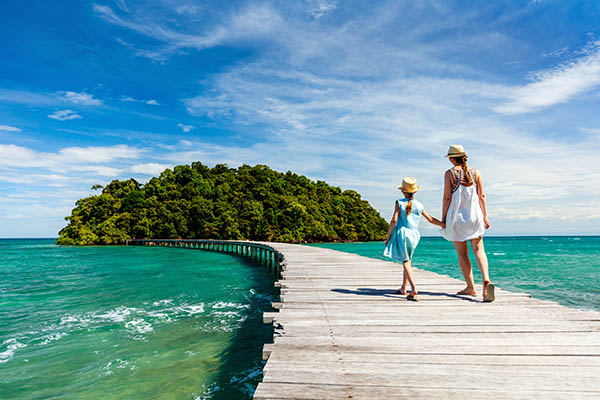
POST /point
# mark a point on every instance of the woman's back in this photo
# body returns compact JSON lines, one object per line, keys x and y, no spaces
{"x":464,"y":220}
{"x":460,"y":177}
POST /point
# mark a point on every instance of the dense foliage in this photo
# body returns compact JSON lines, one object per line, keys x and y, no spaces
{"x":196,"y":201}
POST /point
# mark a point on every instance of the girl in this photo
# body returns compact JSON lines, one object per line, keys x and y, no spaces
{"x":403,"y":235}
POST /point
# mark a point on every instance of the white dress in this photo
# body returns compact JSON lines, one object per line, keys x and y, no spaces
{"x":464,"y":220}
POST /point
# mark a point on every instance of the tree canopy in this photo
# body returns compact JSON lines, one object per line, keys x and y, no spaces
{"x":198,"y":202}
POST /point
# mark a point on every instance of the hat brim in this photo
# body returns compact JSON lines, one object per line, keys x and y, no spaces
{"x":400,"y":188}
{"x":455,"y":155}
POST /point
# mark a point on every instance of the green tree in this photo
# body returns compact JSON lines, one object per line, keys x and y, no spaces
{"x":195,"y":201}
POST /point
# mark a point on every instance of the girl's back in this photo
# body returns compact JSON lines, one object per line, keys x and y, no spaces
{"x":409,"y":220}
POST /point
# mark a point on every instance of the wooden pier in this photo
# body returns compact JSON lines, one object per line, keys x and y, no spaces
{"x":341,"y":332}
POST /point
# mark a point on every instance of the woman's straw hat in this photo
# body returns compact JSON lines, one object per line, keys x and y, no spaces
{"x":456,"y":150}
{"x":409,"y":185}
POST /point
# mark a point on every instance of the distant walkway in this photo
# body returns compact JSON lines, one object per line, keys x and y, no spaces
{"x":342,"y":332}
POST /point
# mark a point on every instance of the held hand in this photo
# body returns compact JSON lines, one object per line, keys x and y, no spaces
{"x":486,"y":222}
{"x":443,"y":225}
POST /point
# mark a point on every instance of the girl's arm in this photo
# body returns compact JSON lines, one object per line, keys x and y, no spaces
{"x":447,"y":194}
{"x":392,"y":223}
{"x":433,"y":220}
{"x":482,"y":200}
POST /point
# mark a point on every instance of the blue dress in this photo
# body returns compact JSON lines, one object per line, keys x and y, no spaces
{"x":405,"y":236}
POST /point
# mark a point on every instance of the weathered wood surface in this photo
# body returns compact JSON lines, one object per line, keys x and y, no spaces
{"x":342,"y":332}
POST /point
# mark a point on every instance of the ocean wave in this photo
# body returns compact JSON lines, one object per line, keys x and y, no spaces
{"x":136,"y":322}
{"x":119,"y":314}
{"x":162,"y":302}
{"x":222,"y":304}
{"x":52,"y":337}
{"x":139,"y":326}
{"x":191,"y":309}
{"x":12,"y":346}
{"x":116,"y":363}
{"x":226,"y":313}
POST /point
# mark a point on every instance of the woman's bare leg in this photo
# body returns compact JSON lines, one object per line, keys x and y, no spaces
{"x":465,"y":267}
{"x":408,"y":275}
{"x":481,"y":257}
{"x":482,"y":263}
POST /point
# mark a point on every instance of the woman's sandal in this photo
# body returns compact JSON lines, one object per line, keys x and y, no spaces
{"x":467,"y":292}
{"x":412,"y":296}
{"x":488,"y":292}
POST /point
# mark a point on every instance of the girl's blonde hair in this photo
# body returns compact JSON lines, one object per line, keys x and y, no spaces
{"x":409,"y":196}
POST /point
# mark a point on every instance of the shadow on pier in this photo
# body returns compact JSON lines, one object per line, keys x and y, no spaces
{"x":392,"y":293}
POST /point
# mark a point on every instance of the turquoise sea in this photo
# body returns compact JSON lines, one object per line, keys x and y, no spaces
{"x":565,"y":269}
{"x":167,"y":323}
{"x":129,"y":322}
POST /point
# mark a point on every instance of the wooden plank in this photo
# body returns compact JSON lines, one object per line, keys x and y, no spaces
{"x":513,"y":378}
{"x":309,"y":391}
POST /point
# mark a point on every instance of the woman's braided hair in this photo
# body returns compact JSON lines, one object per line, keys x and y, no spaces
{"x":462,"y":161}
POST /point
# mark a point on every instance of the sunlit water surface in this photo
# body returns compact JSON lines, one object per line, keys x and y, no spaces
{"x":129,"y":322}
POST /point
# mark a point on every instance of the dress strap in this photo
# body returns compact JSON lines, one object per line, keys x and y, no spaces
{"x":456,"y":179}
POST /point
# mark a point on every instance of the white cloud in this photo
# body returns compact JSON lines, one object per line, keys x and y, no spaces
{"x":149,"y":168}
{"x":129,"y":99}
{"x":122,"y":5}
{"x":185,"y":128}
{"x":68,"y":158}
{"x":99,"y":154}
{"x":64,"y":115}
{"x":189,"y":9}
{"x":80,"y":98}
{"x":100,"y":170}
{"x":554,"y":86}
{"x":252,"y":22}
{"x":318,"y":8}
{"x":27,"y":98}
{"x":8,"y":128}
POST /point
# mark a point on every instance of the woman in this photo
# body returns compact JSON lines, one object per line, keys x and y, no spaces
{"x":465,"y":214}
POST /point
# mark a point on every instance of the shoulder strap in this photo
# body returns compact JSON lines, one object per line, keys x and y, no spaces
{"x":456,"y":178}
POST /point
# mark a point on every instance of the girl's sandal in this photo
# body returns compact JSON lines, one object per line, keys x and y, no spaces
{"x":412,"y":297}
{"x":402,"y":292}
{"x":488,"y":292}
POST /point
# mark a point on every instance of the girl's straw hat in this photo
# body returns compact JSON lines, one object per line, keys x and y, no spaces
{"x":456,"y":150}
{"x":409,"y":185}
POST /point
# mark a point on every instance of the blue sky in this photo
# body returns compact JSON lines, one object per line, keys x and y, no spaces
{"x":359,"y":94}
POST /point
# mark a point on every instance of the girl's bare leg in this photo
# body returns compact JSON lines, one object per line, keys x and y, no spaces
{"x":408,"y":275}
{"x":402,"y":289}
{"x":465,"y":267}
{"x":481,"y":257}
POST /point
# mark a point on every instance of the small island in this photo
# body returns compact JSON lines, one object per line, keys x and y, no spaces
{"x":245,"y":203}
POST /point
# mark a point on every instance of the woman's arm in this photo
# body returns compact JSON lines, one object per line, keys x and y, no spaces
{"x":482,"y":200}
{"x":433,"y":220}
{"x":392,"y":223}
{"x":447,"y":194}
